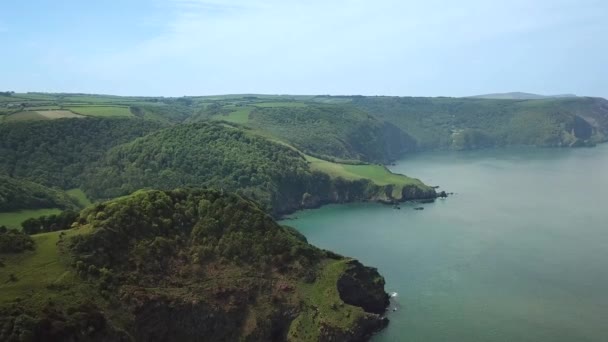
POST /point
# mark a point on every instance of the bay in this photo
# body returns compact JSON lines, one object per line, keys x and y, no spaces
{"x":518,"y":253}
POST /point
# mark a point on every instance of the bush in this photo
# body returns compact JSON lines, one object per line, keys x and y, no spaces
{"x":13,"y":241}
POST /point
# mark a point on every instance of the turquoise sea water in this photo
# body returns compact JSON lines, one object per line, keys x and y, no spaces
{"x":519,"y":253}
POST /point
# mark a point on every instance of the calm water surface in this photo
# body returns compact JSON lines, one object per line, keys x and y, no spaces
{"x":519,"y":253}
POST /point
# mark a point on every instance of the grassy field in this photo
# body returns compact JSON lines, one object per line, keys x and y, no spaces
{"x":280,"y":104}
{"x":58,"y":114}
{"x":14,"y":219}
{"x":40,"y":274}
{"x":24,"y":116}
{"x":377,"y":173}
{"x":102,"y":111}
{"x":240,"y":116}
{"x":79,"y":196}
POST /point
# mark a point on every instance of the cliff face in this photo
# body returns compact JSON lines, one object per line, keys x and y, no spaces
{"x":328,"y":191}
{"x":364,"y":287}
{"x":199,"y":264}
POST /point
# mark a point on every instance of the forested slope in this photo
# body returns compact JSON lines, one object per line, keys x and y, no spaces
{"x":181,"y":265}
{"x":332,"y":131}
{"x":213,"y":155}
{"x":55,"y":153}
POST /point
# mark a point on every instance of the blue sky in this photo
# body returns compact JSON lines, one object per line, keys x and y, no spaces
{"x":380,"y":47}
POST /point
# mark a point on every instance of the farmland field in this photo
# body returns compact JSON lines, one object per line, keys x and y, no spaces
{"x":280,"y":104}
{"x":58,"y":114}
{"x":102,"y":111}
{"x":24,"y":116}
{"x":240,"y":116}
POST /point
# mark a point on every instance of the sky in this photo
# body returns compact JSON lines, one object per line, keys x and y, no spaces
{"x":337,"y":47}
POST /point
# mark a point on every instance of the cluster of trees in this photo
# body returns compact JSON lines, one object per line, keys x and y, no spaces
{"x":334,"y":131}
{"x":14,"y":241}
{"x":157,"y":234}
{"x":50,"y":223}
{"x":80,"y":321}
{"x":56,"y":152}
{"x":18,"y":194}
{"x":195,"y":155}
{"x":6,"y":93}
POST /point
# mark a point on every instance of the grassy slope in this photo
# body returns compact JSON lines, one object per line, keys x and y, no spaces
{"x":38,"y":272}
{"x":80,"y":197}
{"x":323,"y":304}
{"x":378,"y":174}
{"x":14,"y":219}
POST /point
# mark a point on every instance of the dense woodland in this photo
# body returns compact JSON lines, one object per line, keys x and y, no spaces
{"x":331,"y":131}
{"x":56,"y":152}
{"x":213,"y":155}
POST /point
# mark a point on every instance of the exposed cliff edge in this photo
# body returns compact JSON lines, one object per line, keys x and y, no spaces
{"x":186,"y":264}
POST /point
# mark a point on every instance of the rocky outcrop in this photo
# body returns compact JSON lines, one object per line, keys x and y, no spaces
{"x":363,"y":287}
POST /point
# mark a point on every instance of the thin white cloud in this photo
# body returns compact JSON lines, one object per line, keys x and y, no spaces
{"x":322,"y":46}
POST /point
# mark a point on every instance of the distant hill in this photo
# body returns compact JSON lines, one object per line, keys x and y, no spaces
{"x":520,"y":96}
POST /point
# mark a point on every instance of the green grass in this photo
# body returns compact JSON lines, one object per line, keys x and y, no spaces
{"x":79,"y":196}
{"x":379,"y":174}
{"x":280,"y":104}
{"x":24,"y":116}
{"x":102,"y":111}
{"x":323,"y":304}
{"x":14,"y":219}
{"x":40,"y":273}
{"x":240,"y":116}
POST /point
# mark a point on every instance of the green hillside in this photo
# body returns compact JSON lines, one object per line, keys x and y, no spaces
{"x":201,"y":262}
{"x":331,"y":131}
{"x":466,"y":123}
{"x":56,"y":152}
{"x":214,"y":155}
